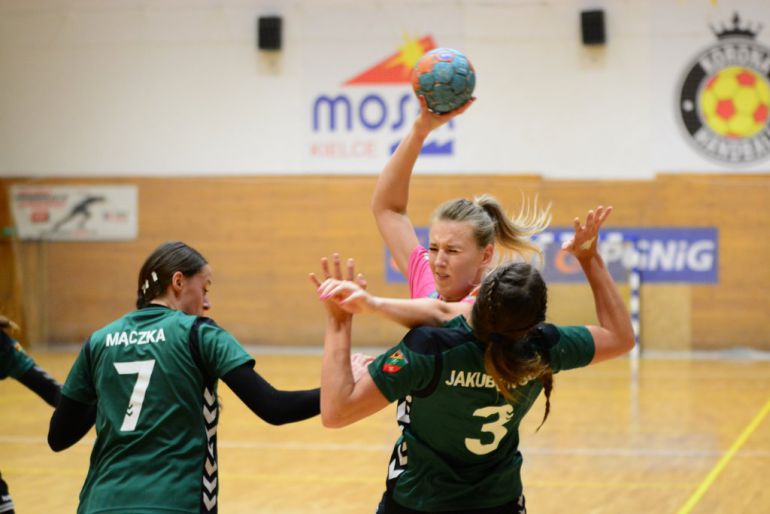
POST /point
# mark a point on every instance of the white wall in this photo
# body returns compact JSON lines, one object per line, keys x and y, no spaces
{"x":178,"y":87}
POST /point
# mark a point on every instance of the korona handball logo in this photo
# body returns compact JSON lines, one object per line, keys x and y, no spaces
{"x":724,"y":97}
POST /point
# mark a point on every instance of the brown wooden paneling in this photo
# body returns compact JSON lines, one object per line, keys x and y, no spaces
{"x":263,"y":234}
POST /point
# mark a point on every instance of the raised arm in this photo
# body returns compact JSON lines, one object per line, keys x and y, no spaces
{"x":343,"y":399}
{"x":391,"y":193}
{"x":614,"y":336}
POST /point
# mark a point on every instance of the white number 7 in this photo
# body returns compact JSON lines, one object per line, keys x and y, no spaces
{"x":143,"y":369}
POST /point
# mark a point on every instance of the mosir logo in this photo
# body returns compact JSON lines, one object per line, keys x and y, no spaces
{"x":724,"y":97}
{"x":367,"y":116}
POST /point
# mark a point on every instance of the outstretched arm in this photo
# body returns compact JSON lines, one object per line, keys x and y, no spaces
{"x":409,"y":313}
{"x":614,"y":336}
{"x":391,"y":193}
{"x":272,"y":405}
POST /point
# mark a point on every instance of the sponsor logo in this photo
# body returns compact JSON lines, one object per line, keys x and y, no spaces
{"x":724,"y":97}
{"x":660,"y":255}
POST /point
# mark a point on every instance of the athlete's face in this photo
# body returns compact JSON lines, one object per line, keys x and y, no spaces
{"x":456,"y":261}
{"x":194,"y":292}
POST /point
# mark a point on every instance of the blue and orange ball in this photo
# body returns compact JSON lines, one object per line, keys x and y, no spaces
{"x":446,"y":79}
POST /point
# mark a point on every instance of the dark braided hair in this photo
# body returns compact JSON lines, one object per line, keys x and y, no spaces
{"x":157,"y":271}
{"x":511,"y":303}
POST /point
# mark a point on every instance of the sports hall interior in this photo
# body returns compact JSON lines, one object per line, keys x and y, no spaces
{"x":684,"y":427}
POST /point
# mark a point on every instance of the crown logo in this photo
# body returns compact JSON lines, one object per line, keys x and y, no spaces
{"x":736,"y":30}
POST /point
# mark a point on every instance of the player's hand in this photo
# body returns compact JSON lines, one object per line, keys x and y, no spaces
{"x":584,"y":242}
{"x":347,"y":295}
{"x":7,"y":325}
{"x":332,"y":307}
{"x":429,"y":120}
{"x":350,"y":266}
{"x":358,"y":364}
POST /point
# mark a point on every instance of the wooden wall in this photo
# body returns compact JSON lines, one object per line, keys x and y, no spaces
{"x":263,"y":234}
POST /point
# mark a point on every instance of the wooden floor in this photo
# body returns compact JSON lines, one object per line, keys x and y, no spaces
{"x":688,"y":436}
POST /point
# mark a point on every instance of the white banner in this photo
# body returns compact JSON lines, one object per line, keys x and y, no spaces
{"x":72,"y":213}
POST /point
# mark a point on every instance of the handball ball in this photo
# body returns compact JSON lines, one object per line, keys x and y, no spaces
{"x":445,"y":77}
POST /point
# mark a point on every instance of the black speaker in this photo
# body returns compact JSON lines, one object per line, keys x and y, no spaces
{"x":269,"y":32}
{"x":592,"y":27}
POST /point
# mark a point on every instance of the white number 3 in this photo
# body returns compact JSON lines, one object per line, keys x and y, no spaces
{"x":143,"y":369}
{"x":497,"y":428}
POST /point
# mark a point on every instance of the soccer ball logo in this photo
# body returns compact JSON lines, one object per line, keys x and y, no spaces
{"x":735,"y":102}
{"x":446,"y":79}
{"x":724,"y":97}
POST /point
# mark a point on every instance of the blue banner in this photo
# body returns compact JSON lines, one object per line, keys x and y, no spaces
{"x":661,"y":255}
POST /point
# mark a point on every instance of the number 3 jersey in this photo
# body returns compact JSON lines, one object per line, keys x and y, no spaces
{"x":153,"y":377}
{"x":459,"y":444}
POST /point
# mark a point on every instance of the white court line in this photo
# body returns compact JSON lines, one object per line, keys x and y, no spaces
{"x":381,"y":448}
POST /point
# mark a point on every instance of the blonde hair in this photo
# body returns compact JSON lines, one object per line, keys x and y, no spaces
{"x":491,"y":225}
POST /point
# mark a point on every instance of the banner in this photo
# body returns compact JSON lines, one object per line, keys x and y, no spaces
{"x":660,"y":254}
{"x":72,"y":213}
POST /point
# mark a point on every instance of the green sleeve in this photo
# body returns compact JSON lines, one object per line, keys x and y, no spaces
{"x":574,"y":349}
{"x":400,"y":371}
{"x":14,"y":361}
{"x":79,"y":385}
{"x":220,"y":351}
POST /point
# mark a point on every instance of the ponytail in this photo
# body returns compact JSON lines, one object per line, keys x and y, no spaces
{"x":509,"y":307}
{"x":491,"y":225}
{"x":512,"y":233}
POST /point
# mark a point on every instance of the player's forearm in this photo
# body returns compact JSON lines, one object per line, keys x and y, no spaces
{"x":415,"y":312}
{"x":611,"y":310}
{"x":391,"y":193}
{"x":42,"y":384}
{"x":70,"y":422}
{"x":337,"y":382}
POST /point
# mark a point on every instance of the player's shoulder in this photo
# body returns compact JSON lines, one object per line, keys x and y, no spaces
{"x":434,"y":340}
{"x":545,"y":335}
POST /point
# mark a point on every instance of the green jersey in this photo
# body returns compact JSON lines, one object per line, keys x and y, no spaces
{"x":14,"y":362}
{"x":153,"y":377}
{"x":458,"y":448}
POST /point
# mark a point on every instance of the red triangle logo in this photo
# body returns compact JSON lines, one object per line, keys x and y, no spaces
{"x":397,"y":68}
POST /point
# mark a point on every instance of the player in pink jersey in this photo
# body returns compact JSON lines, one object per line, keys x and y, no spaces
{"x":463,"y":232}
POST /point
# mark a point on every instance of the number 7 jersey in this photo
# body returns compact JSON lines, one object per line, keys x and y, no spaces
{"x":153,"y":377}
{"x":458,"y":448}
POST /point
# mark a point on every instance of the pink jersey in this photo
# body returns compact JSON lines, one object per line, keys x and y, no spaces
{"x":420,"y":277}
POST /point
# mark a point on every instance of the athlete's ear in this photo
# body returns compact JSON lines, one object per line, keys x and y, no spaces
{"x":177,"y":281}
{"x":489,"y":252}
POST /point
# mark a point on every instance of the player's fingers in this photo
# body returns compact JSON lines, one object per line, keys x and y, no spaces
{"x":325,"y":267}
{"x":351,"y":267}
{"x":337,"y":266}
{"x":314,"y":279}
{"x":361,"y":281}
{"x":576,"y":224}
{"x":605,"y":214}
{"x":590,"y":220}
